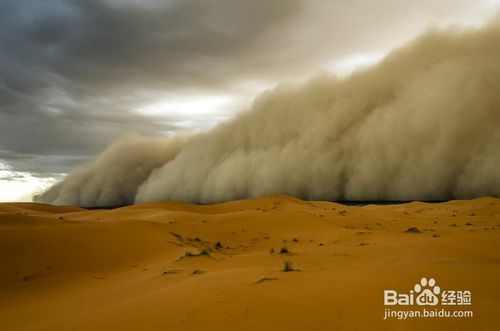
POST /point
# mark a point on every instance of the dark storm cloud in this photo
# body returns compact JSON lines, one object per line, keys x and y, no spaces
{"x":71,"y":72}
{"x":123,"y":44}
{"x":85,"y":45}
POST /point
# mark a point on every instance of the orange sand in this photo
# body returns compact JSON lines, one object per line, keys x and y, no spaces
{"x":64,"y":268}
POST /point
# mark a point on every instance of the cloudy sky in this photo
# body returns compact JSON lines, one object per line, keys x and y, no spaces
{"x":76,"y":74}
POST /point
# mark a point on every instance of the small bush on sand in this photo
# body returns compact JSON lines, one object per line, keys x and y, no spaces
{"x":284,"y":250}
{"x":413,"y":230}
{"x":288,"y":266}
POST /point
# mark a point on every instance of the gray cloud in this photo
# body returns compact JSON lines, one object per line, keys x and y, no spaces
{"x":72,"y":72}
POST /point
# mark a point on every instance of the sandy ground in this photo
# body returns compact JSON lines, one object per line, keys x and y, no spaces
{"x":159,"y":267}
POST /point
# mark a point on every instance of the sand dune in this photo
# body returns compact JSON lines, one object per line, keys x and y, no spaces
{"x":176,"y":266}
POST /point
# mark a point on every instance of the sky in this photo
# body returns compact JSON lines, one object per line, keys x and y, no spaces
{"x":77,"y":74}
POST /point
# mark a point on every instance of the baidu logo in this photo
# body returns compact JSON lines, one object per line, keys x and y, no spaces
{"x":427,"y":293}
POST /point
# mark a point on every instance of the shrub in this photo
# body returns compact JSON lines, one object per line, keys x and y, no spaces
{"x":205,"y":252}
{"x":288,"y":266}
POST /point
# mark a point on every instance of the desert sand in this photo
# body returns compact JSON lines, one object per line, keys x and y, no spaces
{"x":176,"y":266}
